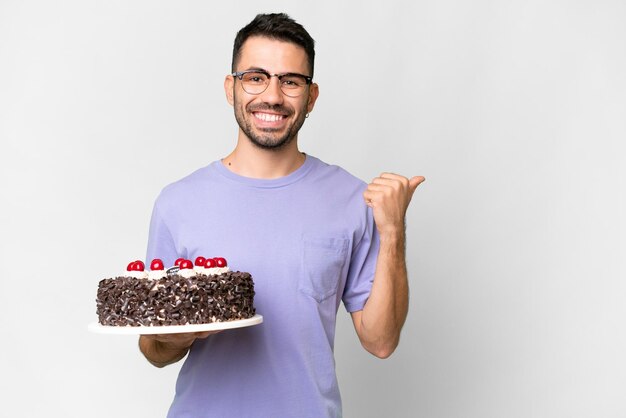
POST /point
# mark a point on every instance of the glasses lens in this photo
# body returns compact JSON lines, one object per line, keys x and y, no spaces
{"x":292,"y":84}
{"x":254,"y":83}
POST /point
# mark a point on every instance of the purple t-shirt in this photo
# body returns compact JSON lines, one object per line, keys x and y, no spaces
{"x":310,"y":242}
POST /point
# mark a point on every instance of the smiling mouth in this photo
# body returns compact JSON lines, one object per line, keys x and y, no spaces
{"x":268,"y":117}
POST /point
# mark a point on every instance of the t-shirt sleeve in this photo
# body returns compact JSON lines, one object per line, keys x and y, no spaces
{"x":160,"y":241}
{"x":362,"y":267}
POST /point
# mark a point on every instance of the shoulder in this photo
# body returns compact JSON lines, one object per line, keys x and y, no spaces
{"x":187,"y":186}
{"x":337,"y":175}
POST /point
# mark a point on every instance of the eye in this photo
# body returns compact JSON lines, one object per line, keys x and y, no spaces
{"x":254,"y":78}
{"x":292,"y":81}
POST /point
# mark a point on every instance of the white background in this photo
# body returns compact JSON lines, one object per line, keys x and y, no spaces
{"x":514,"y":111}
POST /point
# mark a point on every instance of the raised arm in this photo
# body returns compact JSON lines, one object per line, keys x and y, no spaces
{"x":379,"y":324}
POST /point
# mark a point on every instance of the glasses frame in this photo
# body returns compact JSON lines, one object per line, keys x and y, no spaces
{"x":239,"y":74}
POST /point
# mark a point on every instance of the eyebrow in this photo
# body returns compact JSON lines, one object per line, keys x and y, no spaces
{"x":257,"y":69}
{"x":263,"y":70}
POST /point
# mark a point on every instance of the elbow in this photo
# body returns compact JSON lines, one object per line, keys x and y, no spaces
{"x":381,"y":351}
{"x":382,"y":354}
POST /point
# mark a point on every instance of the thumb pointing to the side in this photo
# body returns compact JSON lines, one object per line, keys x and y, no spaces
{"x":414,"y":182}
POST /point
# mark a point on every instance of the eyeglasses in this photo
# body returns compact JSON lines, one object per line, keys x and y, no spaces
{"x":256,"y":82}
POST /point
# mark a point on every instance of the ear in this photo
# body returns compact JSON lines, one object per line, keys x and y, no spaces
{"x":229,"y":85}
{"x":314,"y":92}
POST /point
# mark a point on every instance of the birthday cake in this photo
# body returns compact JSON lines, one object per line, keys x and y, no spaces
{"x":201,"y":292}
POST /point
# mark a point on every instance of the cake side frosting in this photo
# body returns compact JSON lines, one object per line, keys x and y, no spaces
{"x":193,"y":297}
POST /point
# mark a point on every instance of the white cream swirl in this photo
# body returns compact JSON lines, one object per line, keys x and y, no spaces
{"x":187,"y":273}
{"x":214,"y":270}
{"x":137,"y":274}
{"x":157,"y":274}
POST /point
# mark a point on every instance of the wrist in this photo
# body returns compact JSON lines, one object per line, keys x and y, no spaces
{"x":392,"y":235}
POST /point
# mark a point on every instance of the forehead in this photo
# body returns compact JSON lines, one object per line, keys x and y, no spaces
{"x":272,"y":55}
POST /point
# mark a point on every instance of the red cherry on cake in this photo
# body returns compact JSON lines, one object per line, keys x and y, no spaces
{"x":157,"y":264}
{"x":137,"y":266}
{"x":129,"y":267}
{"x":220,"y":261}
{"x":178,"y":261}
{"x":186,"y":264}
{"x":210,"y":263}
{"x":200,"y":261}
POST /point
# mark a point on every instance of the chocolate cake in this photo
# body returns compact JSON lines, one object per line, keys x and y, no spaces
{"x":179,"y":296}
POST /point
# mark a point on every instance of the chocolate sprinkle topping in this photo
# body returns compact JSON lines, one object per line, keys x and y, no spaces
{"x":175,"y":300}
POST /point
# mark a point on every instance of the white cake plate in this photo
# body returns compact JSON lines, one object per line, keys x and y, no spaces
{"x":174,"y":329}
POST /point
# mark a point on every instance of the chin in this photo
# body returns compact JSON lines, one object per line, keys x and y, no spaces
{"x":267,"y":145}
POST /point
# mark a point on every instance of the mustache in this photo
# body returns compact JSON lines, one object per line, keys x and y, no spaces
{"x":274,"y":108}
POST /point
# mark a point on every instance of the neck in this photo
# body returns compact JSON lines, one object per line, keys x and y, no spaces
{"x":249,"y":160}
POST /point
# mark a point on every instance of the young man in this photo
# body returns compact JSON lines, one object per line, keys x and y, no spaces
{"x":311,"y":234}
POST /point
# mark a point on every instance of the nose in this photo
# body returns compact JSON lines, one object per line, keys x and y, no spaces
{"x":273,"y":94}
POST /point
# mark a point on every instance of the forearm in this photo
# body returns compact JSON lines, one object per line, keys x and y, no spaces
{"x":380,"y":322}
{"x":160,"y":354}
{"x":385,"y":312}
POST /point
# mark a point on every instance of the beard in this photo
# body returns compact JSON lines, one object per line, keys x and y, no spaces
{"x":268,"y":138}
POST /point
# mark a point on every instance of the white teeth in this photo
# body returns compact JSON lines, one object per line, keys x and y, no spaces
{"x":266,"y":117}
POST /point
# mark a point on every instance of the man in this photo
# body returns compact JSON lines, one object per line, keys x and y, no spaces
{"x":311,"y":234}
